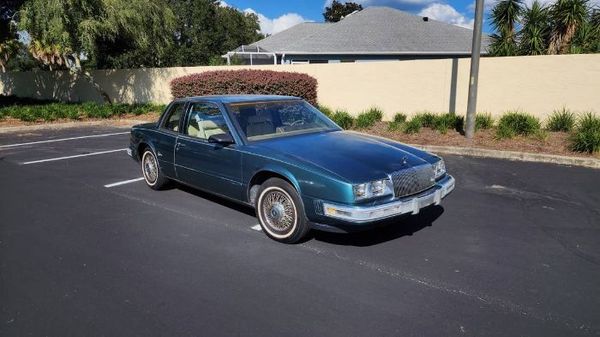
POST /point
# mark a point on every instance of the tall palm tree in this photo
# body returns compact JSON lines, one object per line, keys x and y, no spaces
{"x":505,"y":17}
{"x":587,"y":36}
{"x":567,"y":16}
{"x":536,"y":28}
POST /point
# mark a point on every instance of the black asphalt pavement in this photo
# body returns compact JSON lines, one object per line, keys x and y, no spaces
{"x":513,"y":251}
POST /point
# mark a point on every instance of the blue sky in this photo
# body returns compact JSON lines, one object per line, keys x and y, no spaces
{"x":276,"y":15}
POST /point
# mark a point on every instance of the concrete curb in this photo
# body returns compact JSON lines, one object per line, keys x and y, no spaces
{"x":513,"y":155}
{"x":124,"y":123}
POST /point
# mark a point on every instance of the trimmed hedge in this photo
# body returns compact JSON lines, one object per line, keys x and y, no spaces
{"x":261,"y":82}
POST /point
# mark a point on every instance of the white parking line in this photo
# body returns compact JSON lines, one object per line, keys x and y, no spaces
{"x":71,"y":157}
{"x":256,"y":227}
{"x":119,"y":183}
{"x":63,"y":139}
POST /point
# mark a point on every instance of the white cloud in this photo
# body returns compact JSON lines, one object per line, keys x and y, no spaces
{"x":446,"y":13}
{"x":276,"y":25}
{"x":223,"y":4}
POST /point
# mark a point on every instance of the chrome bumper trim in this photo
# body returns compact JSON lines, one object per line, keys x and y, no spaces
{"x":412,"y":205}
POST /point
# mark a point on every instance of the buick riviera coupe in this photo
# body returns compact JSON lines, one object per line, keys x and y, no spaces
{"x":285,"y":158}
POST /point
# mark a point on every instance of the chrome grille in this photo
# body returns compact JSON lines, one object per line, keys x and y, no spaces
{"x":412,"y":180}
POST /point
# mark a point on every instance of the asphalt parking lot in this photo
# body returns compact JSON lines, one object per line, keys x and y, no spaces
{"x":88,"y":250}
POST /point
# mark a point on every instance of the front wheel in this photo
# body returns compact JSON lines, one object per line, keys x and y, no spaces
{"x":280,"y":211}
{"x":151,"y":171}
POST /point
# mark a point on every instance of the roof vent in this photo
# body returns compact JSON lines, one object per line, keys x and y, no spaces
{"x":425,"y":18}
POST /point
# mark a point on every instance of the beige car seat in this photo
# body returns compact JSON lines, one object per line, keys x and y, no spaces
{"x":193,"y":130}
{"x":208,"y":128}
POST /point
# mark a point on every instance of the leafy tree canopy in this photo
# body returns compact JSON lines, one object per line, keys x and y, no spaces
{"x":205,"y":30}
{"x":338,"y":10}
{"x":65,"y":31}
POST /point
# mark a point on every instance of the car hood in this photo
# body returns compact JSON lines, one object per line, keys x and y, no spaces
{"x":352,"y":156}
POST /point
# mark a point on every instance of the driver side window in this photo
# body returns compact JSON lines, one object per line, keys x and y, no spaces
{"x":205,"y":120}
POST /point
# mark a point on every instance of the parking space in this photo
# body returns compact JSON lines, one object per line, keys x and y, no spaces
{"x":87,"y":249}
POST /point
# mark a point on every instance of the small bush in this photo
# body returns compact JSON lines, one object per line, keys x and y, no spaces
{"x":399,"y":118}
{"x":368,"y":118}
{"x":562,"y":120}
{"x":586,"y":137}
{"x":327,"y":111}
{"x":414,"y":125}
{"x":427,"y":119}
{"x":445,"y":122}
{"x":262,"y":82}
{"x":483,"y":121}
{"x":517,"y":123}
{"x":343,"y":119}
{"x":397,"y":122}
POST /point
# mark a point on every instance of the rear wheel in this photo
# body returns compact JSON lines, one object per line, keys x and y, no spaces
{"x":151,"y":171}
{"x":280,"y":211}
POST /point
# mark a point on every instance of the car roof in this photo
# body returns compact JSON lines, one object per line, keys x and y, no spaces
{"x":227,"y":99}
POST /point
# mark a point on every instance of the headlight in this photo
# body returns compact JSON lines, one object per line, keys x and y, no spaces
{"x":439,"y":168}
{"x":372,"y":189}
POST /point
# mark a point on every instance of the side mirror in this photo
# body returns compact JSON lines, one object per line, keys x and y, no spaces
{"x":222,"y":138}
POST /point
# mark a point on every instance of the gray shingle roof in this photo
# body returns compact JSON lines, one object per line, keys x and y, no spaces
{"x":373,"y":30}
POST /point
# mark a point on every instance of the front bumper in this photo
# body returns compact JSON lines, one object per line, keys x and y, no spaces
{"x":408,"y":205}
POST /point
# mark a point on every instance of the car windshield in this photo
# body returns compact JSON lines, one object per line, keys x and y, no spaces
{"x":261,"y":120}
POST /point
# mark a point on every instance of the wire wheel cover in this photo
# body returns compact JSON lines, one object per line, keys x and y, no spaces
{"x":150,"y":168}
{"x":278,"y":211}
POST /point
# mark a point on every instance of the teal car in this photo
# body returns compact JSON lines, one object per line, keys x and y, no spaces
{"x":287,"y":160}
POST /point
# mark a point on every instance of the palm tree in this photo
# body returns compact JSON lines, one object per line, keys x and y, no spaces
{"x":567,"y":16}
{"x":505,"y":16}
{"x":587,"y":36}
{"x":535,"y":32}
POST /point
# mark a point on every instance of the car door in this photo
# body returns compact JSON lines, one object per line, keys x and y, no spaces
{"x":168,"y":130}
{"x":210,"y":166}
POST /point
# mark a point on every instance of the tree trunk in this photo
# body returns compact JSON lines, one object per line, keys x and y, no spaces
{"x":88,"y":76}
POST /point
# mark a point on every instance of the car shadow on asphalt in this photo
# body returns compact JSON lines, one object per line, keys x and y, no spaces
{"x":216,"y":199}
{"x":386,"y":231}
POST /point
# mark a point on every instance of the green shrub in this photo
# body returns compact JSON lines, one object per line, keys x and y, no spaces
{"x":413,"y":125}
{"x":343,"y":119}
{"x":586,"y":137}
{"x":483,"y":121}
{"x":399,"y":118}
{"x":55,"y":111}
{"x":368,"y":118}
{"x":427,"y":119}
{"x":445,"y":122}
{"x":375,"y":113}
{"x":561,"y":120}
{"x":517,"y":123}
{"x":327,"y":111}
